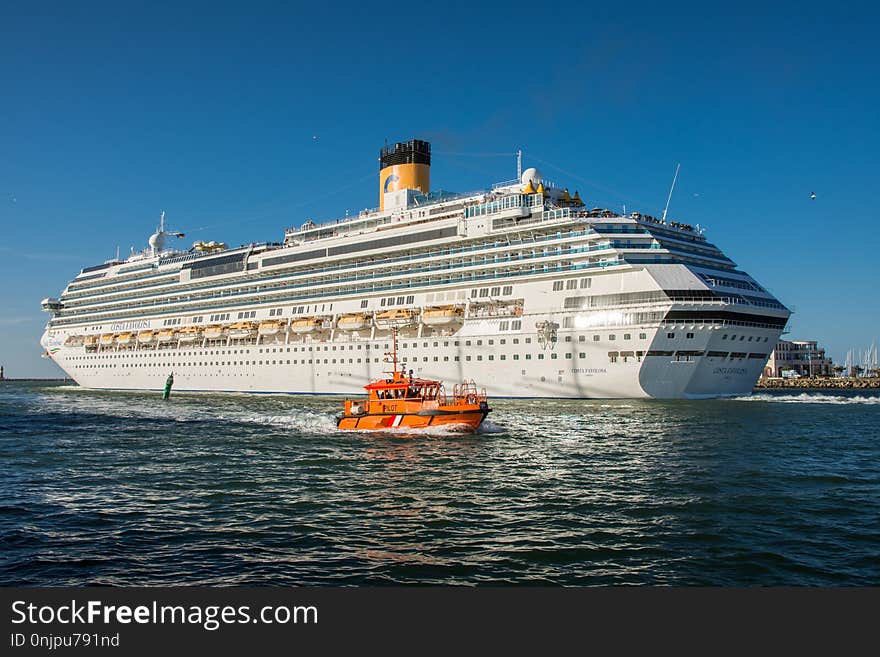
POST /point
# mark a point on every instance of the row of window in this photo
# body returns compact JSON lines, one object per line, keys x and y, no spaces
{"x":572,"y":284}
{"x":613,"y":357}
{"x":220,"y":317}
{"x":390,"y":301}
{"x":484,"y":292}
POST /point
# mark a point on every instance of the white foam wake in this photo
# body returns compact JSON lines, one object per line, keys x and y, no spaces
{"x":812,"y":398}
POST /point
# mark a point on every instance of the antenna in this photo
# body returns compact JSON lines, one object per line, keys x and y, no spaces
{"x":162,"y":222}
{"x":671,"y":189}
{"x":519,"y":164}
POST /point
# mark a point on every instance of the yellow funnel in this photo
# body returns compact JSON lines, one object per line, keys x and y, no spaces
{"x":405,"y":165}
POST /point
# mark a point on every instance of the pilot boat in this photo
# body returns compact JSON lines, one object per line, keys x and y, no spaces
{"x":401,"y":401}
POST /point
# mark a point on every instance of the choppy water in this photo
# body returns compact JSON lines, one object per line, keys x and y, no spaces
{"x":120,"y":488}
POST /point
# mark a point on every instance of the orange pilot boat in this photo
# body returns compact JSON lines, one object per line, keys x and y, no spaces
{"x":404,"y":402}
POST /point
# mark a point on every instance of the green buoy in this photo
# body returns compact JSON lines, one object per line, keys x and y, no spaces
{"x":168,"y":383}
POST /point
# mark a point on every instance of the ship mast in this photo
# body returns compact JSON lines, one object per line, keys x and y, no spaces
{"x":393,"y":352}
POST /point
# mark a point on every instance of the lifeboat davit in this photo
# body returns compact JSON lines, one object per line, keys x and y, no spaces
{"x":271,"y":327}
{"x":404,"y":402}
{"x":107,"y":339}
{"x":241,"y":330}
{"x":214,"y":332}
{"x":395,"y":318}
{"x":165,"y":335}
{"x":306,"y":325}
{"x":353,"y":322}
{"x":442,"y":315}
{"x":189,"y":334}
{"x":146,"y":337}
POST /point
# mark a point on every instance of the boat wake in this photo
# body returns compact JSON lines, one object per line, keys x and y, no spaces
{"x":807,"y":398}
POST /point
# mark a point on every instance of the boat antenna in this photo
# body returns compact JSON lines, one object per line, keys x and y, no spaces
{"x":519,"y":165}
{"x":671,"y":189}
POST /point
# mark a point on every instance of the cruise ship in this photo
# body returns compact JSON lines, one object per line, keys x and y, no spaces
{"x":521,"y":286}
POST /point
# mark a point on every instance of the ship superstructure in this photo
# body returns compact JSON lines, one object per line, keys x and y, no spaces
{"x":521,"y":286}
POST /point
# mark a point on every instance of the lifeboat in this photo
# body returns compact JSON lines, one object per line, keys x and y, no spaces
{"x":441,"y":315}
{"x":214,"y":332}
{"x":146,"y":337}
{"x":270,"y":328}
{"x":395,"y":318}
{"x":107,"y":339}
{"x":124,"y":338}
{"x":189,"y":334}
{"x":353,"y":322}
{"x":165,"y":335}
{"x":73,"y":341}
{"x":404,"y":402}
{"x":241,"y":330}
{"x":90,"y":340}
{"x":306,"y":325}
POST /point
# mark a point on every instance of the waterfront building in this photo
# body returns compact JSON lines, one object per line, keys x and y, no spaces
{"x":805,"y":357}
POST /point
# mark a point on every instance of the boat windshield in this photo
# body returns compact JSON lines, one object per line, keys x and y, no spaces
{"x":411,"y":391}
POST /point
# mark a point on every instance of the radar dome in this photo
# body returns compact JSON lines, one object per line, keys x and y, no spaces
{"x":531,"y":175}
{"x":157,"y":242}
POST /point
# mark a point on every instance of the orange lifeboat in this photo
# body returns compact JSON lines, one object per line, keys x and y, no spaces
{"x":404,"y":402}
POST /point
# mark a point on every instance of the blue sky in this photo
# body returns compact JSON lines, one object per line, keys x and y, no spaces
{"x":110,"y":113}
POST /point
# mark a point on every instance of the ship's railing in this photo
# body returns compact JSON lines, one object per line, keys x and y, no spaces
{"x":375,"y":262}
{"x":467,"y":391}
{"x":466,"y":278}
{"x":476,"y":262}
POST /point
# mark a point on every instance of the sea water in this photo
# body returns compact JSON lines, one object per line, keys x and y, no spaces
{"x":121,"y":488}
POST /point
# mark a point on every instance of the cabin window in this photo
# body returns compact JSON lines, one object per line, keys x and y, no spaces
{"x":558,"y":285}
{"x":586,"y":282}
{"x":411,"y":298}
{"x":571,"y":285}
{"x":484,"y":292}
{"x":643,"y":336}
{"x":690,"y":336}
{"x":495,"y":292}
